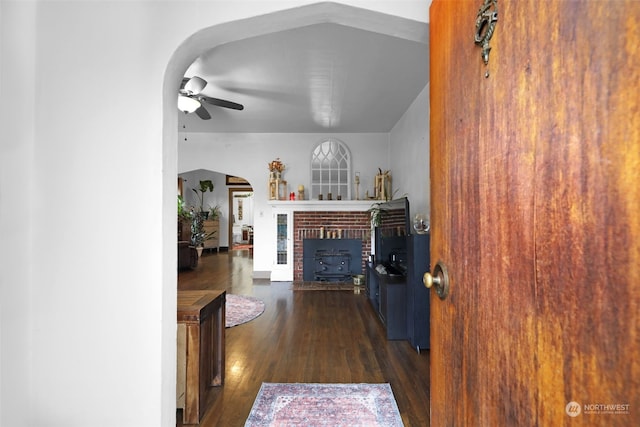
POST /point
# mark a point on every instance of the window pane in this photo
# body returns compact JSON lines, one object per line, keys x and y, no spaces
{"x":331,"y":170}
{"x":282,"y":239}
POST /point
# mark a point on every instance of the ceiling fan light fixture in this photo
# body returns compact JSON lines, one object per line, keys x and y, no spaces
{"x":187,"y":104}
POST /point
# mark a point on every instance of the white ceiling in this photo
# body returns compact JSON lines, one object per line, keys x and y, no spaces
{"x":318,"y":78}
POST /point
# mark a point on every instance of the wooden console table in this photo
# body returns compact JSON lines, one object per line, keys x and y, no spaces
{"x":201,"y":330}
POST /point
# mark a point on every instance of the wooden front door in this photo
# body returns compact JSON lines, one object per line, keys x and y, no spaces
{"x":535,"y":175}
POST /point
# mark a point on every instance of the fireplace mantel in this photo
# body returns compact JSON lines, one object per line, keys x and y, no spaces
{"x":323,"y":205}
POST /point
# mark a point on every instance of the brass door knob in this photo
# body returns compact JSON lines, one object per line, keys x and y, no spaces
{"x":429,"y":280}
{"x":439,"y":279}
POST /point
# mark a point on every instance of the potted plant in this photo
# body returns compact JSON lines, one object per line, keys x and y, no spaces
{"x":205,"y":185}
{"x":184,"y":220}
{"x":376,"y":212}
{"x":197,"y":231}
{"x":198,"y":234}
{"x":214,"y":212}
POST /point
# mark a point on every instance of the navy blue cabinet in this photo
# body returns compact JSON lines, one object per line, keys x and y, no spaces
{"x":388,"y":296}
{"x":417,"y":295}
{"x":399,"y":297}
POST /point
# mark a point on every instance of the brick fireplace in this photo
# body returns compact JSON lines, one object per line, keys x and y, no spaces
{"x":328,"y":225}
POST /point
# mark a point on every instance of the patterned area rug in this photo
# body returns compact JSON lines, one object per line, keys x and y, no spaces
{"x":241,"y":309}
{"x":365,"y":405}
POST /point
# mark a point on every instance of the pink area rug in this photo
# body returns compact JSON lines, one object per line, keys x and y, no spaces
{"x":365,"y":405}
{"x":241,"y":309}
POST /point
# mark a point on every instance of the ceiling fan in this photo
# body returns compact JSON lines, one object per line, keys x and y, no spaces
{"x":190,"y":98}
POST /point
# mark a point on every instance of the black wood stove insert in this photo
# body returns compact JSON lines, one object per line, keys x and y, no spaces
{"x":332,"y":266}
{"x":331,"y":260}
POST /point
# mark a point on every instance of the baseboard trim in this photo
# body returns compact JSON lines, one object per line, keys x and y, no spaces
{"x":261,"y":274}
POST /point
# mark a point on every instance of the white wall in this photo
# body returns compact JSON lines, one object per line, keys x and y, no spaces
{"x":17,"y":192}
{"x":192,"y":180}
{"x":88,"y":291}
{"x":409,"y":154}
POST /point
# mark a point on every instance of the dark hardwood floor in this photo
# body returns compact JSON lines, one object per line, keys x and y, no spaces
{"x":304,"y":336}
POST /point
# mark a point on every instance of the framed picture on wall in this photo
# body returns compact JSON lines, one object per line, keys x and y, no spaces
{"x":234,"y":180}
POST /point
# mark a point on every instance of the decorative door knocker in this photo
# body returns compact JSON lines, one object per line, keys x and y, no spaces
{"x":485,"y":26}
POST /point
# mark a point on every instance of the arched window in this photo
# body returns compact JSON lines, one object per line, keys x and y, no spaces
{"x":331,"y":170}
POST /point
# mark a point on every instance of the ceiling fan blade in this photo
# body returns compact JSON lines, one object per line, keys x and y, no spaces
{"x":194,"y":85}
{"x":203,"y":113}
{"x":221,"y":103}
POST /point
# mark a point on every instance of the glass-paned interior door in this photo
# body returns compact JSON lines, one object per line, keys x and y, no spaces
{"x":282,"y":269}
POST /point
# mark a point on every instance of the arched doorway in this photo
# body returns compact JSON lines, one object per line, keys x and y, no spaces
{"x":209,"y":38}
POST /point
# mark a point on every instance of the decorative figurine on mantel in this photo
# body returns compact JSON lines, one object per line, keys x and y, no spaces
{"x":275,"y":179}
{"x":382,"y":190}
